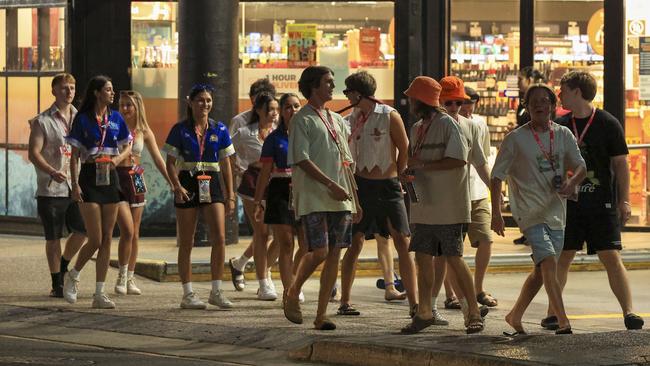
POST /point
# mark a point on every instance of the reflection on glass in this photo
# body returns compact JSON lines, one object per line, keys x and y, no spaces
{"x":485,"y":54}
{"x":22,"y":106}
{"x":35,"y":39}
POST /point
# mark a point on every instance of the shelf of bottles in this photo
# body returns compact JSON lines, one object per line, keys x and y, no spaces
{"x":26,"y":59}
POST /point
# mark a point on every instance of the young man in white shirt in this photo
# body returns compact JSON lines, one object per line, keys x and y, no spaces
{"x":50,"y":154}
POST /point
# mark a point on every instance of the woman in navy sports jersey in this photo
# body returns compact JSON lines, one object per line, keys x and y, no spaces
{"x":100,"y":140}
{"x":198,"y":149}
{"x":278,"y":213}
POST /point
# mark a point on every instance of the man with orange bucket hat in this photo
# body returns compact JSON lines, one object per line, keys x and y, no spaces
{"x":453,"y":96}
{"x":440,"y":153}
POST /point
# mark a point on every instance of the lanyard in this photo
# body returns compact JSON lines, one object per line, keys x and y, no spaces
{"x":359,"y":126}
{"x":422,"y":133}
{"x":134,"y":135}
{"x":201,"y":141}
{"x":584,"y":131}
{"x":549,"y":155}
{"x":329,"y":124}
{"x":103,"y":127}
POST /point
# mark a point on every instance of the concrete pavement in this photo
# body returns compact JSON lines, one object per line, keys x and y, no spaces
{"x":158,"y":257}
{"x":256,"y":333}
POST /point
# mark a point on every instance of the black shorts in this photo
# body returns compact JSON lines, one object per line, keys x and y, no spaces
{"x":601,"y":231}
{"x":277,"y":211}
{"x":90,"y":192}
{"x":381,"y":201}
{"x":191,"y":184}
{"x":126,"y":192}
{"x":57,"y":212}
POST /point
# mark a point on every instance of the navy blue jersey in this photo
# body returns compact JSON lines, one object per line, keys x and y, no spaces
{"x":86,"y":134}
{"x":275,"y":148}
{"x":184,"y":146}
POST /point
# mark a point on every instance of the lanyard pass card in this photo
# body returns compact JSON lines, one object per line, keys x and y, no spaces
{"x":103,"y":171}
{"x":138,"y":185}
{"x":204,"y":188}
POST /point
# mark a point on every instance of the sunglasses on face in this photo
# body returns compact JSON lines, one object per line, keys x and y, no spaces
{"x":449,"y":103}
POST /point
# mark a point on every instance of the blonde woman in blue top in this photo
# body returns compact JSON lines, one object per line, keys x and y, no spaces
{"x":100,"y":140}
{"x":198,"y":148}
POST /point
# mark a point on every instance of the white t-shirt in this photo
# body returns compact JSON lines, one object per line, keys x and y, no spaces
{"x":533,"y":198}
{"x":477,"y":189}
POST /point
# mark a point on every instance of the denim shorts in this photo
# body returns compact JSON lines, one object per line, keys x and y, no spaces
{"x":544,"y":242}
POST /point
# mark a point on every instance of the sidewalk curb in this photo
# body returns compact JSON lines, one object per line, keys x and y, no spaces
{"x":360,"y":354}
{"x":163,"y":271}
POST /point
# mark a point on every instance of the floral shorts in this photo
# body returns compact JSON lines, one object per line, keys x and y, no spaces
{"x":332,"y":229}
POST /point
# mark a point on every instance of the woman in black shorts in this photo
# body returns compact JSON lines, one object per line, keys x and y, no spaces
{"x":100,"y":139}
{"x":198,"y":148}
{"x":279,"y":212}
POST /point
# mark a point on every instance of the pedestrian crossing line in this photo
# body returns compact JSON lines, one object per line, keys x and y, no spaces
{"x":603,"y":316}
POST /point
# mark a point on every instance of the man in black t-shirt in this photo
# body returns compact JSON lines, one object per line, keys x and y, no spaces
{"x":603,"y":205}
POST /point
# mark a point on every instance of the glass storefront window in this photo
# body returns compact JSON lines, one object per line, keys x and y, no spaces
{"x":278,"y":39}
{"x":3,"y":40}
{"x":485,"y":54}
{"x":35,"y":39}
{"x":569,"y":35}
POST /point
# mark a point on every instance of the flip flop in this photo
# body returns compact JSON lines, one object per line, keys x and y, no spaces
{"x":452,"y":303}
{"x":566,"y":330}
{"x":515,"y":333}
{"x":487,"y":299}
{"x":346,"y":309}
{"x":550,"y":323}
{"x":633,"y":321}
{"x":324,"y":324}
{"x":417,"y":324}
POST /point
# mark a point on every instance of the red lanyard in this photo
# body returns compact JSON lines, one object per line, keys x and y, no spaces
{"x":102,"y":128}
{"x":584,"y":131}
{"x":549,"y":155}
{"x":201,"y":141}
{"x":359,"y":126}
{"x":422,"y":133}
{"x":329,"y":124}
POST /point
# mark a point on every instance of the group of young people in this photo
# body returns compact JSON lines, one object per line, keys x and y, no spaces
{"x":305,"y":172}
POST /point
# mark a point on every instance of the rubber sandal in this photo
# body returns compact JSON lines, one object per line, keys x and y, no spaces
{"x":633,"y":321}
{"x":324,"y":324}
{"x":413,"y":310}
{"x":346,"y":309}
{"x":566,"y":330}
{"x":515,"y":333}
{"x":486,"y":299}
{"x":237,"y":277}
{"x":452,"y":303}
{"x":550,"y":323}
{"x":417,"y":325}
{"x":395,"y":296}
{"x":475,"y":326}
{"x":483,"y":310}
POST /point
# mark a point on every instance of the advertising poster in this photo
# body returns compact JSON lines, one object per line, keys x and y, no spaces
{"x":369,"y":42}
{"x":301,"y":47}
{"x":644,"y":68}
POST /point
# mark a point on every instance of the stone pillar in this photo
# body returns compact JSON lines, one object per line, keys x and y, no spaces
{"x":209,"y":53}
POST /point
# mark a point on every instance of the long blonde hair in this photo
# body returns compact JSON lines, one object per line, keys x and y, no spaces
{"x":140,"y":113}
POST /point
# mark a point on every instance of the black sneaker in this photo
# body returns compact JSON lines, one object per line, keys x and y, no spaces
{"x":57,"y":292}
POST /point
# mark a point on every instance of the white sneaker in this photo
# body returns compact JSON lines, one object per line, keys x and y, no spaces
{"x":270,"y":281}
{"x":101,"y":301}
{"x":301,"y":297}
{"x":438,"y":319}
{"x":192,"y":301}
{"x":131,"y":288}
{"x":266,"y":292}
{"x":120,"y":284}
{"x":218,"y":298}
{"x":70,"y":288}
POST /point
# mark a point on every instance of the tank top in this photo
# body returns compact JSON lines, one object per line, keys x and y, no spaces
{"x":138,"y":144}
{"x":371,"y":143}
